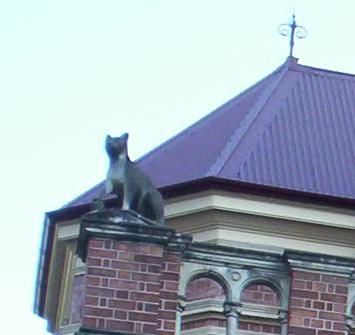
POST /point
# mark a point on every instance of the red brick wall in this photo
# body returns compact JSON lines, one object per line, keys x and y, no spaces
{"x":260,"y":294}
{"x":317,"y":304}
{"x":130,"y":287}
{"x":260,"y":327}
{"x":169,"y":284}
{"x":211,"y":321}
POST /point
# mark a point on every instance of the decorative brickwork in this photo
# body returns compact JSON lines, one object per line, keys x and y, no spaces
{"x":135,"y":284}
{"x":130,"y":287}
{"x":317,"y":304}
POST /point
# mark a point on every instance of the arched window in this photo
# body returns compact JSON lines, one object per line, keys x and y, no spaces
{"x":205,"y":297}
{"x":260,"y":303}
{"x":204,"y":288}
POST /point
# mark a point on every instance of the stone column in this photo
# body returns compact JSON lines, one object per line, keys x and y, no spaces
{"x":232,"y":314}
{"x":179,"y":310}
{"x":283,"y":316}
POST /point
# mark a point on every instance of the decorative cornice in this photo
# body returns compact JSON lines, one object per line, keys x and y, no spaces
{"x":232,"y":309}
{"x":319,"y":262}
{"x":237,"y":257}
{"x":208,"y":253}
{"x":264,"y":207}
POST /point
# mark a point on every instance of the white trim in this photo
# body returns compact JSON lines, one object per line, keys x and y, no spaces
{"x":269,"y":243}
{"x":203,"y":306}
{"x":249,"y":332}
{"x":68,"y":330}
{"x":68,"y":231}
{"x":262,"y":206}
{"x":259,"y":311}
{"x":210,"y":330}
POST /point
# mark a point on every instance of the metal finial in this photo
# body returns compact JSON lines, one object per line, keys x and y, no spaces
{"x":293,"y":30}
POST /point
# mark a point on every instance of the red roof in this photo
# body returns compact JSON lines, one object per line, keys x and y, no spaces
{"x":294,"y":130}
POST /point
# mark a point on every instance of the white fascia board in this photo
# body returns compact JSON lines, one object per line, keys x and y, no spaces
{"x":262,"y":206}
{"x":68,"y":231}
{"x":270,"y":243}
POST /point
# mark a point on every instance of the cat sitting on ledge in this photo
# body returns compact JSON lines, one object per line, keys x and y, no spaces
{"x":127,"y":182}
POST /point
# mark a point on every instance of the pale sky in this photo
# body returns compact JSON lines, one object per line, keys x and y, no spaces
{"x":72,"y":71}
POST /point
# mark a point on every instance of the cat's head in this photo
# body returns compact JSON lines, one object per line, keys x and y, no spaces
{"x":116,"y":145}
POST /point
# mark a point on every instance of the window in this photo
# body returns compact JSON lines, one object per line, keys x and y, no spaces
{"x":204,"y":307}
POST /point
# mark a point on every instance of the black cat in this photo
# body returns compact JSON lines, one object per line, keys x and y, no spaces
{"x":130,"y":184}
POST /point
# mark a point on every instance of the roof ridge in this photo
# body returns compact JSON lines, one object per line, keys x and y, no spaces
{"x":220,"y":108}
{"x":318,"y":70}
{"x":248,"y":120}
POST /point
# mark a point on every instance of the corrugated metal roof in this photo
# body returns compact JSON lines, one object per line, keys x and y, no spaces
{"x":295,"y":130}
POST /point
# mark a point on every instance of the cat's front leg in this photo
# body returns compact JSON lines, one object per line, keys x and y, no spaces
{"x":125,"y":200}
{"x":125,"y":205}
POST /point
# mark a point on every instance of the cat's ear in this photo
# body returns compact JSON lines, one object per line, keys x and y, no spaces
{"x":108,"y":138}
{"x":125,"y":137}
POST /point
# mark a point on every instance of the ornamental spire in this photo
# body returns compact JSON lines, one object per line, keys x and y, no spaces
{"x":293,"y":30}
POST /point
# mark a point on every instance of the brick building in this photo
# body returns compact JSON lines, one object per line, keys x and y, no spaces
{"x":259,"y":236}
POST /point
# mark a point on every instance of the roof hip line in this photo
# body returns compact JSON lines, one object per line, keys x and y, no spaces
{"x":245,"y":124}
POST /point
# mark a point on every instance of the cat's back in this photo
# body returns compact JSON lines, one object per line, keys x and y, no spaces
{"x":137,"y":176}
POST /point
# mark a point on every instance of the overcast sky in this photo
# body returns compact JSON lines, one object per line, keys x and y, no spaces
{"x":72,"y":71}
